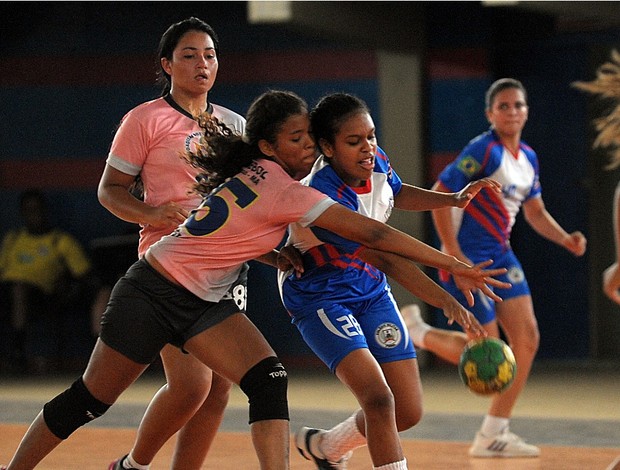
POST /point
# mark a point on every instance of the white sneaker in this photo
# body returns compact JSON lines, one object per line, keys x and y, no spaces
{"x":302,"y":442}
{"x":505,"y":444}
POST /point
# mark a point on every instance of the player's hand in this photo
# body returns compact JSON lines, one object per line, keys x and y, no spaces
{"x":575,"y":243}
{"x":470,"y":191}
{"x":455,"y":312}
{"x":289,"y":258}
{"x":611,"y":282}
{"x":469,"y":279}
{"x":166,"y":215}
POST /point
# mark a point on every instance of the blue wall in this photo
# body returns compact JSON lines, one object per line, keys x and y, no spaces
{"x":72,"y":69}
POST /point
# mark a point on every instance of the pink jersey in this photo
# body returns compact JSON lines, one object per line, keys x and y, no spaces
{"x":245,"y":218}
{"x":150,"y":142}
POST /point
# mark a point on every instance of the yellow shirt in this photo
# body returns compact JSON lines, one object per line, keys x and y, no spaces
{"x":41,"y":260}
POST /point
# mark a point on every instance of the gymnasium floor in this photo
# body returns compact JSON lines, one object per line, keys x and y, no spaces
{"x":571,"y":410}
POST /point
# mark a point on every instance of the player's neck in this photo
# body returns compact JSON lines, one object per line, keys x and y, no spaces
{"x":193,"y":104}
{"x":511,"y":142}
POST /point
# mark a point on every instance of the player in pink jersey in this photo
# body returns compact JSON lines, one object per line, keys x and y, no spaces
{"x":148,"y":145}
{"x":252,"y":198}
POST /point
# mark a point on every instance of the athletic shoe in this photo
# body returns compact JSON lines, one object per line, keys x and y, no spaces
{"x":505,"y":444}
{"x":302,"y":441}
{"x":117,"y":464}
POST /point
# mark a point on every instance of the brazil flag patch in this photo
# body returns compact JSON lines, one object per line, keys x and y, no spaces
{"x":469,"y":165}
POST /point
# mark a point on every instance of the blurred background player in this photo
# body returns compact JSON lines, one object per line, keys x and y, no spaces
{"x":482,"y":231}
{"x":46,"y":277}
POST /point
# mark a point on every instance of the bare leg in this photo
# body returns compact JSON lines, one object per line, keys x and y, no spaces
{"x":232,"y":356}
{"x":518,"y":322}
{"x":107,"y":375}
{"x":447,"y":344}
{"x":378,"y":422}
{"x":174,"y":404}
{"x":195,"y":438}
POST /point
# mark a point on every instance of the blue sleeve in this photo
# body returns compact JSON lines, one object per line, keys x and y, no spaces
{"x":383,"y":165}
{"x":328,"y":182}
{"x":478,"y":159}
{"x":536,"y":189}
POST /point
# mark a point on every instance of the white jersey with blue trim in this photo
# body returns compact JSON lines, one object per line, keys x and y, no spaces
{"x":332,"y":267}
{"x":484,"y":226}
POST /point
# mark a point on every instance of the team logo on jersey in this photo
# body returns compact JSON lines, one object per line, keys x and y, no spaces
{"x":469,"y":165}
{"x":192,"y":142}
{"x":515,"y":275}
{"x":388,"y":335}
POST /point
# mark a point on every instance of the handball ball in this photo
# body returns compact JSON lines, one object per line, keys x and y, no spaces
{"x":487,"y":366}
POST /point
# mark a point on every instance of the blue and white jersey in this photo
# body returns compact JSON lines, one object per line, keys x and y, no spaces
{"x":484,"y":226}
{"x":332,"y":268}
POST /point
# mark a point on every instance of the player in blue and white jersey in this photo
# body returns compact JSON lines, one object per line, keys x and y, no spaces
{"x":343,"y":305}
{"x":482,"y":231}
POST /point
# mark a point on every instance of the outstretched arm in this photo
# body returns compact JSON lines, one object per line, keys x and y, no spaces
{"x":545,"y":225}
{"x":377,"y":235}
{"x":412,"y":278}
{"x":413,"y":198}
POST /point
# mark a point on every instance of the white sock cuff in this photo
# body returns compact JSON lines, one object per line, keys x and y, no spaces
{"x":493,"y":425}
{"x":135,"y":465}
{"x":400,"y":465}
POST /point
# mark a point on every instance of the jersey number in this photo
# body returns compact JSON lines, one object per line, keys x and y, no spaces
{"x":215,"y":211}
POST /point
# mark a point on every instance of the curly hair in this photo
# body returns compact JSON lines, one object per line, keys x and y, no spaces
{"x":607,"y":85}
{"x":221,"y":153}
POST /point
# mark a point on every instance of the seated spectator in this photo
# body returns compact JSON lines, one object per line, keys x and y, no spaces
{"x":44,"y":274}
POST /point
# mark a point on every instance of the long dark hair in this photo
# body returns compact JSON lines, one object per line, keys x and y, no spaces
{"x":222,"y":153}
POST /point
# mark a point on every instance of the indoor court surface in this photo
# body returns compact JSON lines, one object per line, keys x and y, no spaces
{"x":571,"y":412}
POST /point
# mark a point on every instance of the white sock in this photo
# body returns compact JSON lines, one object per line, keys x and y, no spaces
{"x":493,"y":425}
{"x":415,"y":324}
{"x":418,"y":334}
{"x":133,"y":464}
{"x":341,"y":439}
{"x":400,"y":465}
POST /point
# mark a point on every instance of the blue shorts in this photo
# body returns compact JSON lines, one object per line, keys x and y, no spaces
{"x":333,"y":330}
{"x":484,"y":308}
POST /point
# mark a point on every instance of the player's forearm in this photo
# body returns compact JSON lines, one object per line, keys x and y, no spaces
{"x":442,"y":219}
{"x":413,"y":198}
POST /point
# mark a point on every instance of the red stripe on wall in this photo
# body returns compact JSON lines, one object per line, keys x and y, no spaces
{"x":51,"y":174}
{"x":78,"y":71}
{"x":298,"y":66}
{"x":458,"y":63}
{"x":234,"y":68}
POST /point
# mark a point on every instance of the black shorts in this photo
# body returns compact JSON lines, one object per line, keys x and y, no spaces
{"x":146,"y":311}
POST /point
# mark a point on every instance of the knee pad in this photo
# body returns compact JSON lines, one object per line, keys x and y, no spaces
{"x":266,"y":386}
{"x":71,"y":409}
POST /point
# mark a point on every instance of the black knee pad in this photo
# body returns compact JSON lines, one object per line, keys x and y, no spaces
{"x":71,"y":409}
{"x":266,"y":386}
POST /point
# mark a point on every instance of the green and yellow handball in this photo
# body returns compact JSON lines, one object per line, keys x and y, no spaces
{"x":487,"y":366}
